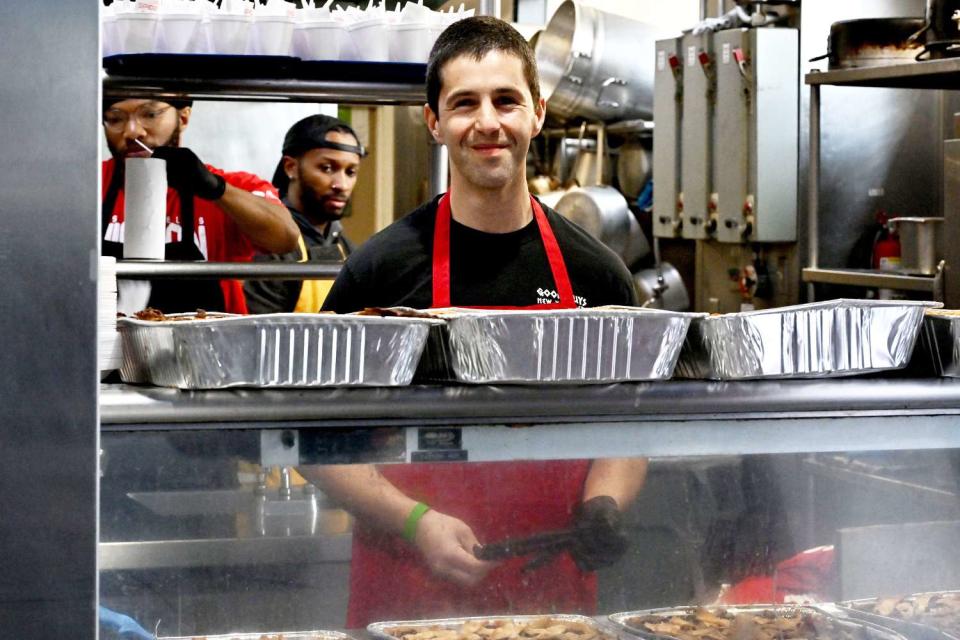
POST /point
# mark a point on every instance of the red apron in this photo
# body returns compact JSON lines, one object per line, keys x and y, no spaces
{"x":388,"y":578}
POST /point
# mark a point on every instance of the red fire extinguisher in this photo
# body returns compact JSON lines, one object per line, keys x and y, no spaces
{"x":886,"y":245}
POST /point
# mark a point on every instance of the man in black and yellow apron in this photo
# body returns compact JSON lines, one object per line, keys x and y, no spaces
{"x":485,"y":243}
{"x":212,"y":215}
{"x":315,"y":178}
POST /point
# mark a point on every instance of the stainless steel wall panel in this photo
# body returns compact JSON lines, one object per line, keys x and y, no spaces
{"x":48,"y":252}
{"x":879,"y":147}
{"x":755,"y":145}
{"x":696,"y":175}
{"x":667,"y":106}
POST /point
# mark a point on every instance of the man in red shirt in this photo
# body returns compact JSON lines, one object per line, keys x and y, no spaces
{"x":212,"y":215}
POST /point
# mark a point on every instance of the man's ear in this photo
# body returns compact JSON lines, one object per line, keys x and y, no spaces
{"x":540,"y":110}
{"x":433,"y":123}
{"x":290,"y":167}
{"x":184,"y":116}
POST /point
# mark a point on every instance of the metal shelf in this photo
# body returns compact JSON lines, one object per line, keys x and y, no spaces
{"x":653,"y":419}
{"x":929,"y":74}
{"x":341,"y":92}
{"x":156,"y":554}
{"x":874,"y":279}
{"x":143,"y":269}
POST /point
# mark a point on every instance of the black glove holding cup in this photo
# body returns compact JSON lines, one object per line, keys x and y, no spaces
{"x":601,"y":539}
{"x":185,"y":172}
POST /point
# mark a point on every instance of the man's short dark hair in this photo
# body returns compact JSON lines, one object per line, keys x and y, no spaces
{"x":478,"y":36}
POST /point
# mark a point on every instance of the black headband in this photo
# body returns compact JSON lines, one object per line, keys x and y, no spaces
{"x":300,"y":149}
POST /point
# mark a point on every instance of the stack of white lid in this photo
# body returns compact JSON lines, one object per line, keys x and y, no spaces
{"x":109,"y":351}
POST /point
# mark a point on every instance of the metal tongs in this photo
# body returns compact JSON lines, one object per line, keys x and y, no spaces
{"x":544,"y":545}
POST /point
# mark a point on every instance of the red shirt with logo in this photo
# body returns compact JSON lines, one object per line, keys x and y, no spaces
{"x":215,"y":234}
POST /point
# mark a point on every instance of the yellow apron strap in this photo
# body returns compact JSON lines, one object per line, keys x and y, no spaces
{"x":312,"y":292}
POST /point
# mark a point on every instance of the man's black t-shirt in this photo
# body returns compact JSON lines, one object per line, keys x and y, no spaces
{"x":395,"y":267}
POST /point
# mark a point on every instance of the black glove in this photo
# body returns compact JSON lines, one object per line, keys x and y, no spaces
{"x":185,"y":172}
{"x":600,"y":535}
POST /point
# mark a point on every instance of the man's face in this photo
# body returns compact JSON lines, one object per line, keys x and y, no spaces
{"x":324,"y":178}
{"x":486,"y":119}
{"x":154,"y":123}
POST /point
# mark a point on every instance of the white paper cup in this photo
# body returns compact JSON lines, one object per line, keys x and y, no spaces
{"x":272,"y":36}
{"x":144,"y":208}
{"x":136,"y":32}
{"x":178,"y":32}
{"x":318,"y":40}
{"x":409,"y":42}
{"x":370,"y":41}
{"x":229,"y":34}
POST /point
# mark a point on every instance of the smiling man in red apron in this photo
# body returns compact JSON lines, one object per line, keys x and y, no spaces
{"x":211,"y":214}
{"x":486,"y":243}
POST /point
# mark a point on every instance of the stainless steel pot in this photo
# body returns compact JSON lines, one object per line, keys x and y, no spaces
{"x":921,"y":245}
{"x":670,"y":294}
{"x":577,"y":160}
{"x":596,"y":65}
{"x":634,"y":167}
{"x":604,"y":214}
{"x":871,"y":42}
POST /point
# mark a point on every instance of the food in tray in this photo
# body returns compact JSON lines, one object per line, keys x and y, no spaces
{"x":537,"y":629}
{"x":720,"y":624}
{"x":155,"y":315}
{"x":940,"y":610}
{"x":394,"y":312}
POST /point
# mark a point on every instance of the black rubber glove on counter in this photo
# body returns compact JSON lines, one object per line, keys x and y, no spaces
{"x":601,"y":538}
{"x":185,"y":172}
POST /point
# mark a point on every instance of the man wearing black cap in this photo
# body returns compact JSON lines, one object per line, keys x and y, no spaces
{"x":315,"y":177}
{"x":211,"y":214}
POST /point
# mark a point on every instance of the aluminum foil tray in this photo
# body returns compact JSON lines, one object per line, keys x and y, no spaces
{"x":576,"y":346}
{"x":816,"y":340}
{"x":381,"y":630}
{"x":269,"y":635}
{"x":919,"y":627}
{"x":847,"y":629}
{"x":940,"y":341}
{"x":273,"y":350}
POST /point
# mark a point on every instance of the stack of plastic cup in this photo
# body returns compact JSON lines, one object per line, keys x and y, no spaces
{"x":272,"y":36}
{"x":179,"y":32}
{"x":135,"y":32}
{"x":229,"y":33}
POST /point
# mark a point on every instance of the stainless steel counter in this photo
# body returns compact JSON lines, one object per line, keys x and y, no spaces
{"x":654,"y":419}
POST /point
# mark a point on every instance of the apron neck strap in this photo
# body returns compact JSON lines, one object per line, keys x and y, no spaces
{"x":441,"y":256}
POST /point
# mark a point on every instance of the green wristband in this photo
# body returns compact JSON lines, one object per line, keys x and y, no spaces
{"x":410,"y":526}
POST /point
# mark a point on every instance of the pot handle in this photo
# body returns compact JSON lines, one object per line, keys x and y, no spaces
{"x":610,"y":82}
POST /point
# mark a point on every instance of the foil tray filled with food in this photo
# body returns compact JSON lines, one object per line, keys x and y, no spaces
{"x":940,"y":341}
{"x":924,"y":616}
{"x":747,"y":622}
{"x":816,"y":340}
{"x":546,"y":627}
{"x":574,"y":346}
{"x":270,"y":635}
{"x":215,"y":351}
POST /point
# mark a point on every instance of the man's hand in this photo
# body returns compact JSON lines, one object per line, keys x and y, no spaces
{"x":185,"y":171}
{"x":601,"y":538}
{"x":447,"y":547}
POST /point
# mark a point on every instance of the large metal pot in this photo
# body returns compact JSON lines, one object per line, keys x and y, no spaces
{"x":634,"y":167}
{"x":669,"y":293}
{"x":577,"y":159}
{"x":596,"y":65}
{"x":871,"y":42}
{"x":921,"y":244}
{"x":604,"y":214}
